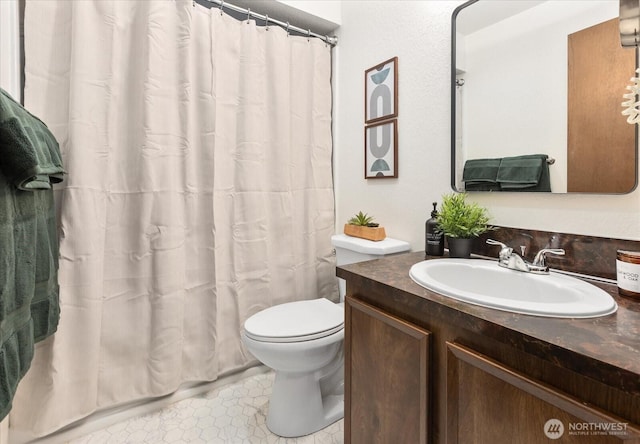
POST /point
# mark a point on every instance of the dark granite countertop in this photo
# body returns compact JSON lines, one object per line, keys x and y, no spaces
{"x":605,"y":348}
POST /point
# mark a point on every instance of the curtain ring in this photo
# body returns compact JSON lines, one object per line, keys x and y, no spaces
{"x":248,"y":15}
{"x":287,"y":29}
{"x":308,"y":34}
{"x":266,"y":22}
{"x":221,"y":6}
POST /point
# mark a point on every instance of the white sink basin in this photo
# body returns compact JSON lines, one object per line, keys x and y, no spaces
{"x":485,"y":283}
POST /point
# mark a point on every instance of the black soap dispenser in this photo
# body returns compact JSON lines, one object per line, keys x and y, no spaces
{"x":434,"y":240}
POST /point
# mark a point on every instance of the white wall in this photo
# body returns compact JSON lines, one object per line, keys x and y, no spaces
{"x":327,"y":10}
{"x":320,"y":16}
{"x":418,"y":32}
{"x":9,"y":48}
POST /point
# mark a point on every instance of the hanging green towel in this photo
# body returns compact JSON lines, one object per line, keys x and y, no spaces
{"x":29,"y":309}
{"x":30,"y":154}
{"x":481,"y":174}
{"x":524,"y":173}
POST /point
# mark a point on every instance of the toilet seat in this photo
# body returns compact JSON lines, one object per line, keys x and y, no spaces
{"x":296,"y":321}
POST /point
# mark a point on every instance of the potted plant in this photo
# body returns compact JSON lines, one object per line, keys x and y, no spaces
{"x":362,"y":225}
{"x":461,"y":222}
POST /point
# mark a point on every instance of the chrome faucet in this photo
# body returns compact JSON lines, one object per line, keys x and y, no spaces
{"x":508,"y":259}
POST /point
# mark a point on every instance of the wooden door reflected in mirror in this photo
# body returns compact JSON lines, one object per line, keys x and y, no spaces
{"x":601,"y":145}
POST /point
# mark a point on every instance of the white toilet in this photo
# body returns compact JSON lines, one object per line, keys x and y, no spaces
{"x":302,"y":342}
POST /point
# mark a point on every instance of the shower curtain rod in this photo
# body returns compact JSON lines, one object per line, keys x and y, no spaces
{"x":330,"y":40}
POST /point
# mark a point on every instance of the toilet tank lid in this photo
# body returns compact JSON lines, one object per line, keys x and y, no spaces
{"x":364,"y":246}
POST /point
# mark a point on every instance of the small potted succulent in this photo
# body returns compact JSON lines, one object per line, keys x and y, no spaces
{"x":461,"y":222}
{"x":362,"y":225}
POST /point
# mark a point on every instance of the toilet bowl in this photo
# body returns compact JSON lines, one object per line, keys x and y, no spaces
{"x":302,"y":342}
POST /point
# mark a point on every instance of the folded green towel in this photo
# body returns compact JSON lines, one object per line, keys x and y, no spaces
{"x":481,"y":174}
{"x":524,"y":173}
{"x":29,"y":307}
{"x":30,"y":154}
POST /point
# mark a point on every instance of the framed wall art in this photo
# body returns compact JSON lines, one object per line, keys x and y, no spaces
{"x":381,"y":150}
{"x":381,"y":91}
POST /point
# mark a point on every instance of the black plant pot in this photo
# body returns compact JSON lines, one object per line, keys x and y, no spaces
{"x":459,"y":247}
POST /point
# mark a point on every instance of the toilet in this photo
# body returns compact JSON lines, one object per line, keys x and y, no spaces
{"x":302,"y":342}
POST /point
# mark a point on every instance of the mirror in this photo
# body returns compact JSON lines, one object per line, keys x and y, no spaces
{"x":537,"y":88}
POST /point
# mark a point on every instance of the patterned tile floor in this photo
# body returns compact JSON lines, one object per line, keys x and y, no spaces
{"x":235,"y":413}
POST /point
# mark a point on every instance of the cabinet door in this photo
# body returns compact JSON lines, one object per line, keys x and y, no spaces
{"x":489,"y":403}
{"x":386,"y":378}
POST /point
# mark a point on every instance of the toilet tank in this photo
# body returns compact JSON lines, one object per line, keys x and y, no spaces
{"x":350,"y":250}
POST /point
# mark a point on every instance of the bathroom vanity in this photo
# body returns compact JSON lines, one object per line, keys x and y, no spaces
{"x":424,"y":368}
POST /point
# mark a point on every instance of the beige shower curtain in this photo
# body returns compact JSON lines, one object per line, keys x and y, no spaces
{"x":199,"y":191}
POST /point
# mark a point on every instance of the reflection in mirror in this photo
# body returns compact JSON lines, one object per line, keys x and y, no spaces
{"x":537,"y":88}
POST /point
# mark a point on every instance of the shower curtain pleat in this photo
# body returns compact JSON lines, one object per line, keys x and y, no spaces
{"x":199,"y":192}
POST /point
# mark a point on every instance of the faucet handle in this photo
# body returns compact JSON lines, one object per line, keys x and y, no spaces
{"x":506,"y":250}
{"x":495,"y":242}
{"x":539,"y":260}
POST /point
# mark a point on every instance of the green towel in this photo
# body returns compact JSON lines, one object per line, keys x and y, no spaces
{"x":30,"y":154}
{"x":524,"y":173}
{"x":481,"y":174}
{"x":29,"y":308}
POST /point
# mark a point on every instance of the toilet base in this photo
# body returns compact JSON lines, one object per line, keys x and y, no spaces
{"x":298,"y":407}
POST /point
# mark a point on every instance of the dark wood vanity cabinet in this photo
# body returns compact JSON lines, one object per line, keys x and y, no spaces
{"x":387,"y":378}
{"x":418,"y":371}
{"x":488,"y":402}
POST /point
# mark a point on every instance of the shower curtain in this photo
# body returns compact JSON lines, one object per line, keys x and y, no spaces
{"x":199,"y":191}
